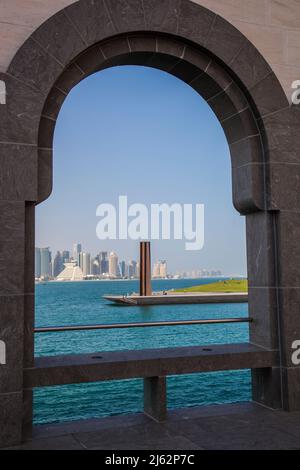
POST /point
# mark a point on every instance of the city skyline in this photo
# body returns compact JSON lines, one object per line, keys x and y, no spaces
{"x":104,"y":264}
{"x":143,"y":133}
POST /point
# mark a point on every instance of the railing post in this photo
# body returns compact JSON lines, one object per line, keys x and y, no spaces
{"x":155,"y":398}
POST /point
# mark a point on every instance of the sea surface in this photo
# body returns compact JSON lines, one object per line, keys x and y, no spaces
{"x":82,"y":303}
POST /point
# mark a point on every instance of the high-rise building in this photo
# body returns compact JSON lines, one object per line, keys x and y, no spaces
{"x":37,"y":262}
{"x":163,"y":269}
{"x":58,"y":264}
{"x":103,"y":260}
{"x":77,"y":249}
{"x":132,"y":269}
{"x":160,"y":269}
{"x":156,"y":269}
{"x":86,"y":263}
{"x":65,"y":256}
{"x":123,"y":269}
{"x":95,"y":266}
{"x":137,"y":269}
{"x":45,"y":262}
{"x":113,"y":267}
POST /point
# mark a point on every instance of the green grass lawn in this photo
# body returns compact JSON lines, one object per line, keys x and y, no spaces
{"x":230,"y":285}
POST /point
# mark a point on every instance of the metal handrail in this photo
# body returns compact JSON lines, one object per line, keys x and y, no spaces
{"x":110,"y":326}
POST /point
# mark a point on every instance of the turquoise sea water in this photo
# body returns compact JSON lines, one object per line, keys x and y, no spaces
{"x":82,"y":303}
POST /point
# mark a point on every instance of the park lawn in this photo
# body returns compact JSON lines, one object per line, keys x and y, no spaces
{"x":229,"y":286}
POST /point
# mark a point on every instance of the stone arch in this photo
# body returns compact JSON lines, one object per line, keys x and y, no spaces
{"x":211,"y":55}
{"x":181,"y":37}
{"x":197,"y":68}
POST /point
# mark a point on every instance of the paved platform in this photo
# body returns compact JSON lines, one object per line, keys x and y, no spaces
{"x":173,"y":298}
{"x":230,"y":427}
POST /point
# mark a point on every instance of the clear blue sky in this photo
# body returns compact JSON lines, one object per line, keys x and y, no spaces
{"x":143,"y":133}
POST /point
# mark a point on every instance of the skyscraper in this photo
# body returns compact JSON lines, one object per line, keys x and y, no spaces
{"x":123,"y":269}
{"x":86,"y":263}
{"x":113,"y":265}
{"x":132,"y":268}
{"x":45,"y":262}
{"x":163,"y":269}
{"x":137,"y":270}
{"x":77,"y":249}
{"x":65,"y":256}
{"x":160,"y":269}
{"x":58,"y":264}
{"x":37,"y":263}
{"x":156,"y":269}
{"x":95,"y":266}
{"x":103,"y":261}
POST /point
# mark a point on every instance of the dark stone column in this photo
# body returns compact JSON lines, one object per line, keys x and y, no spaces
{"x":155,"y":398}
{"x":18,"y":183}
{"x":263,"y":303}
{"x":288,"y":232}
{"x":12,"y":242}
{"x":282,"y":141}
{"x":28,"y":358}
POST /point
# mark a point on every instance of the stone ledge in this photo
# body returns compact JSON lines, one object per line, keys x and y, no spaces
{"x":80,"y":368}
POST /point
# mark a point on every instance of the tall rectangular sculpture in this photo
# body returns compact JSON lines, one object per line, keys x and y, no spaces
{"x":145,"y":269}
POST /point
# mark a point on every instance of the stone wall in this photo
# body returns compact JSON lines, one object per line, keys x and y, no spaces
{"x":262,"y":131}
{"x":273,"y":26}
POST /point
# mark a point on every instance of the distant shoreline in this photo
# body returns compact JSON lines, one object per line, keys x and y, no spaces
{"x":137,"y":280}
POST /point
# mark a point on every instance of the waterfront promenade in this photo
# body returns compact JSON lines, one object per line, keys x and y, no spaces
{"x":240,"y":426}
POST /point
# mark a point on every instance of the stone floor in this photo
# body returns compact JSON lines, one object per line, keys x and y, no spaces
{"x":237,"y":426}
